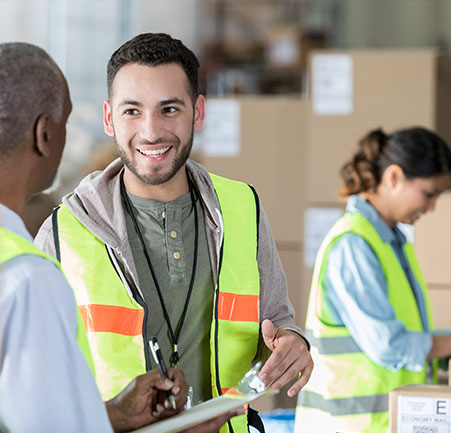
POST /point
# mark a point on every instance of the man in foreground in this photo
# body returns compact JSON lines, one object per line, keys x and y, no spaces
{"x":157,"y":243}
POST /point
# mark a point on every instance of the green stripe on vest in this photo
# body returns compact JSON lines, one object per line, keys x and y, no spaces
{"x":236,"y":345}
{"x":13,"y":245}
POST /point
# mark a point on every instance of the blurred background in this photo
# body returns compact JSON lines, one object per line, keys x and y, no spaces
{"x":291,"y":86}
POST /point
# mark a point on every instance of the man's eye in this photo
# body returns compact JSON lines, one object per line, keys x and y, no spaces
{"x":131,"y":111}
{"x":169,"y":110}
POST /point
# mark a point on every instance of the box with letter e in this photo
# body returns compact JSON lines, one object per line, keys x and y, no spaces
{"x":420,"y":409}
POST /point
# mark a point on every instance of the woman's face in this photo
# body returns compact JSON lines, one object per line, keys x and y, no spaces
{"x":415,"y":197}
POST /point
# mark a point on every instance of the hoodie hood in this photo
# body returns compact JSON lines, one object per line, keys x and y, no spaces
{"x":97,"y":202}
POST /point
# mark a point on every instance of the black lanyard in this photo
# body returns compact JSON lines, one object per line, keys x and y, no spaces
{"x":173,"y":337}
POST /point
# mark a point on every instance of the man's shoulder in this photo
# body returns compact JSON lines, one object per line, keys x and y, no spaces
{"x":27,"y":270}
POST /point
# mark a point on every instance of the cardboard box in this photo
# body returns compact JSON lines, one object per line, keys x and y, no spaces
{"x":391,"y":89}
{"x":440,"y":297}
{"x":272,"y":158}
{"x":291,"y":257}
{"x":420,"y":409}
{"x":433,"y":245}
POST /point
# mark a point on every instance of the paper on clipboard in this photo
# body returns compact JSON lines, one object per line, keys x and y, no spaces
{"x":203,"y":412}
{"x":250,"y":388}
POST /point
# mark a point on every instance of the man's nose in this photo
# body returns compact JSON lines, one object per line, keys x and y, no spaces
{"x":151,"y":128}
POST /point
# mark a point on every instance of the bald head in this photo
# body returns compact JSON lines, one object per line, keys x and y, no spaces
{"x":31,"y":84}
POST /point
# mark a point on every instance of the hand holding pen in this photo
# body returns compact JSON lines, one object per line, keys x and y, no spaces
{"x":156,"y":353}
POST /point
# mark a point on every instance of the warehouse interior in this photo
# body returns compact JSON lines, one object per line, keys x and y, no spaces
{"x":291,"y":86}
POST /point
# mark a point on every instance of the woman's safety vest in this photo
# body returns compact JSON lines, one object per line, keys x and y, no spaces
{"x":12,"y":245}
{"x":348,"y":392}
{"x":115,"y":319}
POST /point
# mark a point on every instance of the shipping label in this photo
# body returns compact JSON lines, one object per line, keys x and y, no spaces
{"x":424,"y":414}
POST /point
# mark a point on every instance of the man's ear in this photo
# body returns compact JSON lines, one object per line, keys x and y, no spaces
{"x":43,"y":135}
{"x":199,"y":113}
{"x":107,"y":118}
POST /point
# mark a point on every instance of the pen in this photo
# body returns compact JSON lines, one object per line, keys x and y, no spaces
{"x":156,"y":352}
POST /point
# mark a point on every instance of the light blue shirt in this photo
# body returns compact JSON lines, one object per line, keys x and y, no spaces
{"x":45,"y":382}
{"x":357,"y":295}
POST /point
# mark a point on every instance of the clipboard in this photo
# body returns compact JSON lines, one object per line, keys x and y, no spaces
{"x":249,"y":389}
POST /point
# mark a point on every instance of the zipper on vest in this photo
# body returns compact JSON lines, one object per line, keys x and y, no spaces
{"x":257,"y":212}
{"x":120,"y":273}
{"x":135,"y":296}
{"x":220,"y":241}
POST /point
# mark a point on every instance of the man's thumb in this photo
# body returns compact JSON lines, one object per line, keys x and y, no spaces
{"x":269,"y":333}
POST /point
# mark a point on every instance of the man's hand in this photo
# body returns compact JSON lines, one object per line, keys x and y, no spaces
{"x":213,"y":425}
{"x":290,"y":356}
{"x":145,"y":400}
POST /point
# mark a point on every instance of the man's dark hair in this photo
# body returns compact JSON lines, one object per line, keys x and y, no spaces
{"x":30,"y":85}
{"x":154,"y":49}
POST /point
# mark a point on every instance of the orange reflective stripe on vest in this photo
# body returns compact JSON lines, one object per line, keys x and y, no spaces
{"x":111,"y":318}
{"x":236,"y":308}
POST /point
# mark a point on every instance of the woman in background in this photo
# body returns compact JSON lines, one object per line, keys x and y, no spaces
{"x":369,"y":319}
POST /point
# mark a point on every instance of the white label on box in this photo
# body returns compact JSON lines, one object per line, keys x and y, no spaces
{"x":317,"y":222}
{"x":424,"y":414}
{"x":332,"y":84}
{"x":222,"y":129}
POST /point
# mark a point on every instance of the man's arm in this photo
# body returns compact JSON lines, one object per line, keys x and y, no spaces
{"x":285,"y":342}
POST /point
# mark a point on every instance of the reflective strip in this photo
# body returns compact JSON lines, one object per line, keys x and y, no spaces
{"x":110,"y":318}
{"x":238,"y":308}
{"x":333,"y":345}
{"x":345,"y":406}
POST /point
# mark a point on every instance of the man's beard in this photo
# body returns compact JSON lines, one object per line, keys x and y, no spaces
{"x":156,"y":178}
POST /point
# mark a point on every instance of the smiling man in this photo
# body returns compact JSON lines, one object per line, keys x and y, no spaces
{"x":46,"y":384}
{"x":156,"y":246}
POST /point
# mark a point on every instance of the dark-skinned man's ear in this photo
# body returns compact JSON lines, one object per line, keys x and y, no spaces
{"x":42,"y":135}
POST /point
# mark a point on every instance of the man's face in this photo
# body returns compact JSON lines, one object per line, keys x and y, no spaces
{"x":152,"y":118}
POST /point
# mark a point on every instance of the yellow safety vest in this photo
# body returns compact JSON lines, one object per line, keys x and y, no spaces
{"x":116,"y":321}
{"x":12,"y":245}
{"x":348,"y":392}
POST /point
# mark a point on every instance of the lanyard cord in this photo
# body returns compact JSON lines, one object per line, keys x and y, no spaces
{"x":174,"y":337}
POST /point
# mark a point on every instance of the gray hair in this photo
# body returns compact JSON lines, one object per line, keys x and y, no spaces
{"x":31,"y":84}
